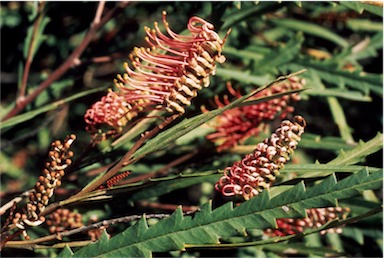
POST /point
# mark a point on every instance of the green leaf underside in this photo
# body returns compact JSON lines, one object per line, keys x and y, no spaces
{"x":208,"y":226}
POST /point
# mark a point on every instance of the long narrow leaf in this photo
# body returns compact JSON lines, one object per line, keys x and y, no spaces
{"x":332,"y":74}
{"x":311,"y":29}
{"x":31,"y":114}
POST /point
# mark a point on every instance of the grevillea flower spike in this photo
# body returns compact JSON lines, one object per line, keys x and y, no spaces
{"x":258,"y":170}
{"x":60,"y":157}
{"x":165,"y":76}
{"x":238,"y":124}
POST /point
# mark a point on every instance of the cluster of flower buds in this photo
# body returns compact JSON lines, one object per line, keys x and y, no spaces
{"x":316,"y":217}
{"x":258,"y":170}
{"x":165,"y":76}
{"x":62,"y":220}
{"x":238,"y":124}
{"x":59,"y":159}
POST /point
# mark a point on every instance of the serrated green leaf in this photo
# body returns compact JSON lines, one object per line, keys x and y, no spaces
{"x":311,"y":29}
{"x":359,"y":152}
{"x":177,"y":230}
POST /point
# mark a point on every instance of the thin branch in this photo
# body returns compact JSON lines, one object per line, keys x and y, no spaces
{"x":72,"y":60}
{"x":104,"y":223}
{"x":167,"y":206}
{"x":31,"y":50}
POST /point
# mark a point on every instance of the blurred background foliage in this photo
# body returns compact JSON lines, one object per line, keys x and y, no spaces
{"x":339,"y":43}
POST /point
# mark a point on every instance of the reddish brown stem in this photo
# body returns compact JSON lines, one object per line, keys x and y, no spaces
{"x":31,"y":49}
{"x":97,"y":23}
{"x":167,"y":206}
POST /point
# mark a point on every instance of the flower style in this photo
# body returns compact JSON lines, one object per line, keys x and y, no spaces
{"x":316,"y":217}
{"x":165,"y":76}
{"x":59,"y":159}
{"x":258,"y":170}
{"x":238,"y":124}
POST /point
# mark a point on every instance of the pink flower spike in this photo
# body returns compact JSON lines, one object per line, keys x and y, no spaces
{"x":238,"y":124}
{"x":165,"y":76}
{"x":316,"y":217}
{"x":258,"y":170}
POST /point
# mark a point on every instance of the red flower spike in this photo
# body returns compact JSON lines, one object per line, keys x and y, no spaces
{"x":238,"y":124}
{"x":316,"y":217}
{"x":258,"y":170}
{"x":165,"y":76}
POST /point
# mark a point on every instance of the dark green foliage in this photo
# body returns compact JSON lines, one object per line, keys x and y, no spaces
{"x":338,"y":161}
